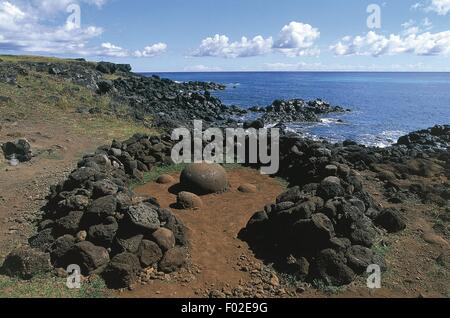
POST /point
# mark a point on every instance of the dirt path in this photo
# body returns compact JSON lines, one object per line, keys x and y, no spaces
{"x":220,"y":260}
{"x":23,"y":188}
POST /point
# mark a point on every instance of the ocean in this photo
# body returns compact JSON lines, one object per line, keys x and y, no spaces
{"x":384,"y":106}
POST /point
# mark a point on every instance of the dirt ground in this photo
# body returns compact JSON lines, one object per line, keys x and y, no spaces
{"x":24,"y":187}
{"x":216,"y":252}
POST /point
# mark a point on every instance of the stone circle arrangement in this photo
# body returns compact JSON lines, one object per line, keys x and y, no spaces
{"x":94,"y":221}
{"x":324,"y":227}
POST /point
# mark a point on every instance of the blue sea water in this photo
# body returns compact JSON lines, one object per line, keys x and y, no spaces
{"x":384,"y":105}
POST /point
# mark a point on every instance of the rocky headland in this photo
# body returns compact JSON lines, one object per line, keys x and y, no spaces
{"x":296,"y":110}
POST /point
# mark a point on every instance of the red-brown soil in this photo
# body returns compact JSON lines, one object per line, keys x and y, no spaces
{"x":216,"y":252}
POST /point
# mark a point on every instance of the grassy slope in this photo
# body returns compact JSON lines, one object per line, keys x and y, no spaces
{"x":44,"y":97}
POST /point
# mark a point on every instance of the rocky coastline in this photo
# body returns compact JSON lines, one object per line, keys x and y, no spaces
{"x":169,"y":104}
{"x":324,"y":227}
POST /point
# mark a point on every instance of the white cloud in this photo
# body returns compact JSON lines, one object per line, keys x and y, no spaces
{"x":441,"y":7}
{"x":220,"y":46}
{"x":109,"y":49}
{"x":112,"y":50}
{"x":10,"y":16}
{"x":417,"y":6}
{"x":152,"y":50}
{"x":376,"y":45}
{"x":25,"y":26}
{"x":202,"y":68}
{"x":55,"y":6}
{"x":22,"y":29}
{"x":295,"y":39}
{"x":411,"y":27}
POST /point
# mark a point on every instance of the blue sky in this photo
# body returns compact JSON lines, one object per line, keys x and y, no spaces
{"x":207,"y":35}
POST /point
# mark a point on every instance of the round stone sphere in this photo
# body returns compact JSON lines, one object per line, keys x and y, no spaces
{"x":187,"y":200}
{"x":165,"y":179}
{"x":204,"y":178}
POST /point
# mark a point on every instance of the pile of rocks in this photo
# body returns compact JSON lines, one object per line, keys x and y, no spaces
{"x":94,"y":221}
{"x":321,"y":231}
{"x":17,"y":150}
{"x":325,"y":225}
{"x":297,"y":110}
{"x":9,"y":72}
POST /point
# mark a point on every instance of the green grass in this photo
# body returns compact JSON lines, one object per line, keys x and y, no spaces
{"x":327,"y":289}
{"x":41,"y":97}
{"x":48,"y":286}
{"x":33,"y":58}
{"x":152,"y":175}
{"x":382,"y":250}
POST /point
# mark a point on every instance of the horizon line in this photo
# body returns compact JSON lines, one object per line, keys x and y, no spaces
{"x":281,"y":71}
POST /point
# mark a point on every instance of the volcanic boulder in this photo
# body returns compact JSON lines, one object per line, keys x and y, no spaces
{"x":149,"y":253}
{"x":391,"y":220}
{"x":26,"y":263}
{"x":164,"y":238}
{"x":19,"y":149}
{"x":331,"y":267}
{"x":91,"y":259}
{"x":61,"y":247}
{"x":144,"y":216}
{"x":43,"y":240}
{"x":122,"y":271}
{"x":173,"y":260}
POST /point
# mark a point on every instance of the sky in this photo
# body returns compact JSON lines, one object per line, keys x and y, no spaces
{"x":234,"y":35}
